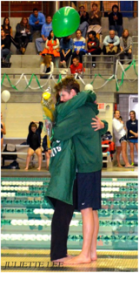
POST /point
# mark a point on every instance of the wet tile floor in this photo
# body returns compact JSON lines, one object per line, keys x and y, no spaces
{"x":28,"y":260}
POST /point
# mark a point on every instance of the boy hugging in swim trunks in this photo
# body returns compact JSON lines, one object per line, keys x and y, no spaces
{"x":34,"y":142}
{"x":76,"y":125}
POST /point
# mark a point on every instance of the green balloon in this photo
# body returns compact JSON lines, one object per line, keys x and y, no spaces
{"x":65,"y":21}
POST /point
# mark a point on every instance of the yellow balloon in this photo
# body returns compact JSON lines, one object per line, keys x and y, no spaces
{"x":46,"y":95}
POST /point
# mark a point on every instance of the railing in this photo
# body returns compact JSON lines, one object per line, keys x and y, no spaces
{"x":104,"y":65}
{"x":104,"y":10}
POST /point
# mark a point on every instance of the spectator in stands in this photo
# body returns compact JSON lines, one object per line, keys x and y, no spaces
{"x":6,"y":26}
{"x":95,"y":20}
{"x":66,"y":46}
{"x":22,"y":35}
{"x":84,"y":16}
{"x":93,"y":46}
{"x":116,"y":20}
{"x":52,"y":47}
{"x":132,"y":134}
{"x":34,"y":142}
{"x":111,"y":43}
{"x":36,"y":20}
{"x":126,"y":41}
{"x":76,"y":67}
{"x":47,"y":67}
{"x":3,"y":131}
{"x":120,"y":135}
{"x":5,"y":47}
{"x":46,"y":28}
{"x":79,"y":45}
{"x":8,"y":31}
{"x":47,"y":150}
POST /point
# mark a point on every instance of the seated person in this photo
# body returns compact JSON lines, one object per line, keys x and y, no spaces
{"x":51,"y":46}
{"x":79,"y":45}
{"x":95,"y":20}
{"x":36,"y":20}
{"x":47,"y":67}
{"x":34,"y":142}
{"x":22,"y":34}
{"x":93,"y":45}
{"x":66,"y":46}
{"x":76,"y":67}
{"x":46,"y":28}
{"x":126,"y":41}
{"x":6,"y":26}
{"x":83,"y":20}
{"x":5,"y":47}
{"x":8,"y":32}
{"x":47,"y":150}
{"x":116,"y":20}
{"x":111,"y":43}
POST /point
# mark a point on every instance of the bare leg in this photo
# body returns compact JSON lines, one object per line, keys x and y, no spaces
{"x":131,"y":152}
{"x":85,"y":255}
{"x":39,"y":154}
{"x":29,"y":154}
{"x":118,"y":152}
{"x":1,"y":144}
{"x":124,"y":154}
{"x":136,"y":145}
{"x":95,"y":234}
{"x":1,"y":149}
{"x":47,"y":156}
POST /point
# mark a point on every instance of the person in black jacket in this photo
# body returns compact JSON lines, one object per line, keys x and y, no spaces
{"x":5,"y":47}
{"x":34,"y":142}
{"x":23,"y":34}
{"x":8,"y":32}
{"x":132,"y":134}
{"x":84,"y":16}
{"x":116,"y":20}
{"x":93,"y":46}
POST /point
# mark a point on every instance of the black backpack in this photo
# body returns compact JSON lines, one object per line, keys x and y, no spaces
{"x":9,"y":148}
{"x":6,"y":64}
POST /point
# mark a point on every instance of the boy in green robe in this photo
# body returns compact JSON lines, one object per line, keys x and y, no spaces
{"x":75,"y":126}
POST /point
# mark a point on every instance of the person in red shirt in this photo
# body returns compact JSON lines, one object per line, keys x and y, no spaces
{"x":76,"y":66}
{"x":93,"y":46}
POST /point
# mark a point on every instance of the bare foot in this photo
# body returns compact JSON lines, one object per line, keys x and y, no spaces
{"x":93,"y":258}
{"x":128,"y":166}
{"x":79,"y":259}
{"x":119,"y":166}
{"x":26,"y":169}
{"x":38,"y":169}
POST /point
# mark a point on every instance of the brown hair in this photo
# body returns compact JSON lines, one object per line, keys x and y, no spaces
{"x":21,"y":23}
{"x":67,"y":84}
{"x":132,"y":111}
{"x":94,"y":4}
{"x":34,"y":125}
{"x":5,"y":24}
{"x":46,"y":59}
{"x":124,"y":32}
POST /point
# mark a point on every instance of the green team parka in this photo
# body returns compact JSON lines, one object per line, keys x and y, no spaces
{"x":76,"y":145}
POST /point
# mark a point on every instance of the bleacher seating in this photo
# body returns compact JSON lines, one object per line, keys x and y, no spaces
{"x":129,"y":23}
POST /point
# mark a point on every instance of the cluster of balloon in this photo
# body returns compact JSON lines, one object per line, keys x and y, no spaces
{"x":48,"y":107}
{"x":65,"y":21}
{"x":5,"y":95}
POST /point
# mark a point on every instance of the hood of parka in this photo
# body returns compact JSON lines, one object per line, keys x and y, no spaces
{"x":81,"y":99}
